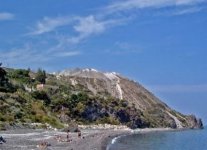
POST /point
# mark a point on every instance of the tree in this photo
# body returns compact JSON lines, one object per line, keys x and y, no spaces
{"x":41,"y":76}
{"x":5,"y":86}
{"x":3,"y":79}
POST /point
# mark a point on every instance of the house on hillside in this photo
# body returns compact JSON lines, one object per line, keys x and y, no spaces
{"x":40,"y":87}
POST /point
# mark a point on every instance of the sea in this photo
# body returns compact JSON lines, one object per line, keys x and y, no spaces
{"x":162,"y":140}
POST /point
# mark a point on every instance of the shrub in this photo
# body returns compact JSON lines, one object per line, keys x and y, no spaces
{"x":41,"y":95}
{"x":18,"y":115}
{"x":80,"y":107}
{"x":2,"y":118}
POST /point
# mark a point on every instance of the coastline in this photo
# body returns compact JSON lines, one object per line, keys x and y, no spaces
{"x":93,"y":137}
{"x":110,"y":140}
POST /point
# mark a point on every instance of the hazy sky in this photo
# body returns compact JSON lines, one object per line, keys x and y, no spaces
{"x":160,"y":43}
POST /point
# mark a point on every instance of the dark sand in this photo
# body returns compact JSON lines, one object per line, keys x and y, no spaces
{"x":29,"y":139}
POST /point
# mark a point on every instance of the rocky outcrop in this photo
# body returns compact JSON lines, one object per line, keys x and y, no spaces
{"x":194,"y":122}
{"x":154,"y":113}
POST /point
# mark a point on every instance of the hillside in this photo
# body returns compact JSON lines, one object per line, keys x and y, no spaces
{"x":84,"y":96}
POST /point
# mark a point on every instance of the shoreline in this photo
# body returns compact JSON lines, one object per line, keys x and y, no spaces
{"x":141,"y":131}
{"x":93,"y":137}
{"x":110,"y":140}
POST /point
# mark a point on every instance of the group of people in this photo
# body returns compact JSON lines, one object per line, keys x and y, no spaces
{"x":44,"y":144}
{"x":59,"y":138}
{"x":68,"y":138}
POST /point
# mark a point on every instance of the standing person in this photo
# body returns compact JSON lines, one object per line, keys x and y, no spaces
{"x":79,"y":134}
{"x":68,"y":137}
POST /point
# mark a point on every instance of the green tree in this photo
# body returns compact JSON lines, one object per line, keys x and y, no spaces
{"x":41,"y":76}
{"x":5,"y":86}
{"x":3,"y":79}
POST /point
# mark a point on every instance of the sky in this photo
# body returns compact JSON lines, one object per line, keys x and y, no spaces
{"x":160,"y":43}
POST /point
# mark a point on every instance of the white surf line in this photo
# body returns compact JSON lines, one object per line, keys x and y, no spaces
{"x":114,"y":140}
{"x":178,"y":123}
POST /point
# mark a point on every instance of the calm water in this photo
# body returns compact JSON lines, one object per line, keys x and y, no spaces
{"x":179,"y":140}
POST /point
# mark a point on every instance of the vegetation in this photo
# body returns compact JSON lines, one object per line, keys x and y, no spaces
{"x":5,"y":86}
{"x":41,"y":76}
{"x":58,"y":103}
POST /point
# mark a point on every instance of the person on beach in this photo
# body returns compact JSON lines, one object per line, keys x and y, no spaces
{"x":2,"y":140}
{"x":79,"y":134}
{"x":68,"y":137}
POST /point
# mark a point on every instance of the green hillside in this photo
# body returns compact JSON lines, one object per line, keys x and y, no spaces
{"x":27,"y":97}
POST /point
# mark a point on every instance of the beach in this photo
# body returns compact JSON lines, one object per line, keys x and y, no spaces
{"x":28,"y":139}
{"x":92,"y":138}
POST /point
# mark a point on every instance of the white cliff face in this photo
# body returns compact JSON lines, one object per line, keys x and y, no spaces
{"x":111,"y":75}
{"x":73,"y":82}
{"x":76,"y":71}
{"x":114,"y":78}
{"x":118,"y":88}
{"x":177,"y":122}
{"x":89,"y":69}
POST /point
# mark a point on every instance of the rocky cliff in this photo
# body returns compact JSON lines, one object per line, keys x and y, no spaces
{"x":153,"y":111}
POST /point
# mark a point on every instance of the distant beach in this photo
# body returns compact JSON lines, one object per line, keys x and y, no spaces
{"x":92,"y":138}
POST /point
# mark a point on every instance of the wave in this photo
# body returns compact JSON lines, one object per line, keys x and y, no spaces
{"x":113,"y":141}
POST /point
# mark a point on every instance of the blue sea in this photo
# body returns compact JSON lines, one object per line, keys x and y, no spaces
{"x":170,"y":140}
